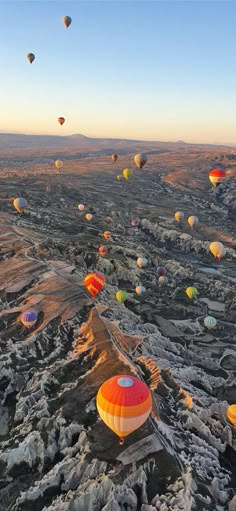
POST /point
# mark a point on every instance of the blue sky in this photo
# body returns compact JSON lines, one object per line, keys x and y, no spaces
{"x":144,"y":69}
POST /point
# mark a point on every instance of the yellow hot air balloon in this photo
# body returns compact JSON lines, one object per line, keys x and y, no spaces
{"x":192,"y":220}
{"x":58,"y":164}
{"x":179,"y":216}
{"x":192,"y":292}
{"x":88,"y":217}
{"x":124,"y":403}
{"x":127,"y":173}
{"x":30,"y":57}
{"x":217,"y":249}
{"x":121,"y":296}
{"x":66,"y":20}
{"x":231,"y":414}
{"x":119,"y":177}
{"x":140,"y":160}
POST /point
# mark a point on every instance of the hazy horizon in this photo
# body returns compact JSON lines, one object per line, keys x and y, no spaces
{"x":149,"y":71}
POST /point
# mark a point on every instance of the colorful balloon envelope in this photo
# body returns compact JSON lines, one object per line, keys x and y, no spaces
{"x":210,"y":322}
{"x":94,"y":282}
{"x":66,"y":20}
{"x":106,"y":235}
{"x":121,"y":296}
{"x":163,"y":280}
{"x":192,"y":220}
{"x":139,"y":290}
{"x":217,"y":249}
{"x":30,"y":57}
{"x":88,"y":216}
{"x":114,"y":157}
{"x":127,"y":173}
{"x":29,"y":318}
{"x":141,"y":262}
{"x":192,"y":292}
{"x":216,"y":176}
{"x":119,"y":177}
{"x":133,"y":223}
{"x":231,"y":414}
{"x":140,"y":160}
{"x":102,"y":251}
{"x":20,"y":204}
{"x":124,"y":403}
{"x":81,"y":207}
{"x":58,"y":164}
{"x":179,"y":216}
{"x":61,"y":120}
{"x":161,"y":270}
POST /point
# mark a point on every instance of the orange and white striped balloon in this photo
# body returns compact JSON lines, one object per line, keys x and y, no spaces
{"x":94,"y":282}
{"x":124,"y":403}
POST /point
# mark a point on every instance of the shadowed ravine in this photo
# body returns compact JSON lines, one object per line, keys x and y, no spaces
{"x":56,"y":454}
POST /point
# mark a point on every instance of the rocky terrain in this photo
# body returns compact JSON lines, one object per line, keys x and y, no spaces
{"x":55,"y":452}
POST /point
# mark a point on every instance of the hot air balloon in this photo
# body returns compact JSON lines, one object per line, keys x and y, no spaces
{"x":192,"y":292}
{"x":94,"y":282}
{"x":29,"y":318}
{"x":114,"y":157}
{"x":162,"y":280}
{"x":119,"y":177}
{"x":88,"y":216}
{"x":217,"y":249}
{"x":102,"y":251}
{"x":61,"y":120}
{"x":127,"y":173}
{"x":121,"y":296}
{"x":231,"y":414}
{"x":141,"y":262}
{"x":30,"y":57}
{"x":106,"y":235}
{"x":48,"y":188}
{"x":140,"y":160}
{"x":124,"y":403}
{"x":58,"y":164}
{"x":66,"y":20}
{"x":210,"y":322}
{"x":179,"y":216}
{"x":133,"y":223}
{"x":20,"y":204}
{"x":161,"y":270}
{"x":81,"y":207}
{"x":108,"y":219}
{"x":216,"y":176}
{"x":192,"y":220}
{"x":139,"y":290}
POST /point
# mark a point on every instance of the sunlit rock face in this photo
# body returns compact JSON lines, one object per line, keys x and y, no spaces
{"x":55,"y":452}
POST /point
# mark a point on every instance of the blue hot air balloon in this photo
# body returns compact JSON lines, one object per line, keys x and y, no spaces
{"x":29,"y":318}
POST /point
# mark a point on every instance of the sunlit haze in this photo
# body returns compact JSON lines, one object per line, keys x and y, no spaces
{"x":145,"y":70}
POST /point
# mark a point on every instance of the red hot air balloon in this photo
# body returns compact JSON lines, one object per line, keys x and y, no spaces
{"x":216,"y":176}
{"x":102,"y":251}
{"x":61,"y":120}
{"x":94,"y":282}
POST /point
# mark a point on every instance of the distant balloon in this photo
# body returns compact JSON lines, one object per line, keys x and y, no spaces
{"x":217,"y":249}
{"x":81,"y":207}
{"x":61,"y":120}
{"x":139,"y":290}
{"x":48,"y":188}
{"x":141,"y":262}
{"x":140,"y":160}
{"x":121,"y":296}
{"x":210,"y":322}
{"x":161,"y":270}
{"x":124,"y":403}
{"x":133,"y":223}
{"x":114,"y":157}
{"x":66,"y":20}
{"x":192,"y":220}
{"x":216,"y":176}
{"x":94,"y":282}
{"x":192,"y":292}
{"x":102,"y":251}
{"x":88,"y":216}
{"x":163,"y":280}
{"x":29,"y":318}
{"x":30,"y":57}
{"x":20,"y":204}
{"x":119,"y":177}
{"x":58,"y":164}
{"x":108,"y":219}
{"x":107,"y":235}
{"x":127,"y":173}
{"x":179,"y":216}
{"x":231,"y":414}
